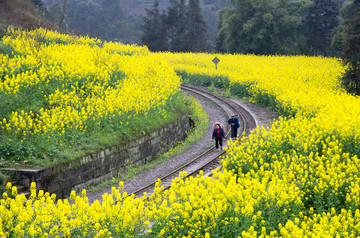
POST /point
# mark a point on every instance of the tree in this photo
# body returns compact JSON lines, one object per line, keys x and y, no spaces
{"x":320,"y":20}
{"x":260,"y":27}
{"x":110,"y":16}
{"x":210,"y":10}
{"x":82,"y":17}
{"x":154,"y":29}
{"x":57,"y":14}
{"x":220,"y":45}
{"x":351,"y":57}
{"x":338,"y":34}
{"x":337,"y":42}
{"x":196,"y":30}
{"x":177,"y":23}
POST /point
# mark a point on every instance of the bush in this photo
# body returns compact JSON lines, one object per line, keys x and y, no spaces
{"x":241,"y":90}
{"x":204,"y":80}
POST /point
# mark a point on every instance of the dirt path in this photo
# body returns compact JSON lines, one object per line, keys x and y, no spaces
{"x":263,"y":117}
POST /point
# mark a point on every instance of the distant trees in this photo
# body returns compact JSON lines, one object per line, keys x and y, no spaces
{"x":183,"y":28}
{"x":176,"y":23}
{"x":351,"y":78}
{"x":287,"y":27}
{"x":278,"y":27}
{"x":320,"y":20}
{"x":338,"y":34}
{"x":197,"y":28}
{"x":154,"y":29}
{"x":261,"y":27}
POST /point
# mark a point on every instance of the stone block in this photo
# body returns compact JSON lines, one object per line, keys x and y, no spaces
{"x":90,"y":170}
{"x":85,"y":159}
{"x":134,"y":150}
{"x":54,"y":187}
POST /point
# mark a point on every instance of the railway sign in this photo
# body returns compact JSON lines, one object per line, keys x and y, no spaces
{"x":216,"y":61}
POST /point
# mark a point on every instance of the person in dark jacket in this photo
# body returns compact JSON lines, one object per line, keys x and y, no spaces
{"x":234,"y":124}
{"x":218,"y":134}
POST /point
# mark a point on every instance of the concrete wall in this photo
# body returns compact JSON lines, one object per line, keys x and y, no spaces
{"x":105,"y":164}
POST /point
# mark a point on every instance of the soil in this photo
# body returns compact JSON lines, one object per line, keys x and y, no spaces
{"x":263,"y":117}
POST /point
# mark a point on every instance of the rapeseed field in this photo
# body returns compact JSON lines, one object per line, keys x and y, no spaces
{"x":299,"y":178}
{"x":67,"y":91}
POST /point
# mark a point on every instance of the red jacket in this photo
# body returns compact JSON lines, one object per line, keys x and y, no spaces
{"x":222,"y":134}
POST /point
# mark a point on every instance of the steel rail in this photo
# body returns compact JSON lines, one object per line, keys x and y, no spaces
{"x":235,"y":109}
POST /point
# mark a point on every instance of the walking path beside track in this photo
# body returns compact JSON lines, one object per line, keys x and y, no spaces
{"x":263,"y":117}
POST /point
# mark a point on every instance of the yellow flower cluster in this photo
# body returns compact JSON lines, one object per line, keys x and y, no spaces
{"x":297,"y":82}
{"x":83,"y":82}
{"x":43,"y":216}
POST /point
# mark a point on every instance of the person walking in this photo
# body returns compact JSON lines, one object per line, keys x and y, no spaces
{"x":218,"y":135}
{"x":234,"y":124}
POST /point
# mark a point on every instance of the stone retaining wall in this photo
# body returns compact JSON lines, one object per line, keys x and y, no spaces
{"x":92,"y":169}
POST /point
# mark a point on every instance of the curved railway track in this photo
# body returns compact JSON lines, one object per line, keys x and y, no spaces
{"x":210,"y":159}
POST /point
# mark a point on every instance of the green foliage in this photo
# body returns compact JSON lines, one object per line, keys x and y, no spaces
{"x":154,"y":29}
{"x":197,"y":28}
{"x":339,"y":35}
{"x":181,"y":29}
{"x":337,"y":42}
{"x":226,"y":93}
{"x":241,"y":90}
{"x":205,"y":80}
{"x":351,"y":79}
{"x":260,"y":27}
{"x":212,"y":88}
{"x":211,"y":19}
{"x":177,"y":23}
{"x":319,"y":21}
{"x":277,"y":27}
{"x":6,"y":49}
{"x":221,"y":37}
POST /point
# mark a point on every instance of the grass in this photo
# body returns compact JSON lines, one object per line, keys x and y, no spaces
{"x":201,"y":120}
{"x":212,"y":88}
{"x":226,"y":93}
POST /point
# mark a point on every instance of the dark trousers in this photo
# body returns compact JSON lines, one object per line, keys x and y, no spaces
{"x":217,"y":142}
{"x":233,"y":132}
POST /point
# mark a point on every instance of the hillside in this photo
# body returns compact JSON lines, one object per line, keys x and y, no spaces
{"x":21,"y":14}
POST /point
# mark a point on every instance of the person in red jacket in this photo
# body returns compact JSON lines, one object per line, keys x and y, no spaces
{"x":218,"y":135}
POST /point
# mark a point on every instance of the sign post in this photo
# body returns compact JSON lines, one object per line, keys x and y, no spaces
{"x":216,"y":61}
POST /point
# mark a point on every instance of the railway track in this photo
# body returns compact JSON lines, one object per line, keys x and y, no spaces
{"x":210,"y":159}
